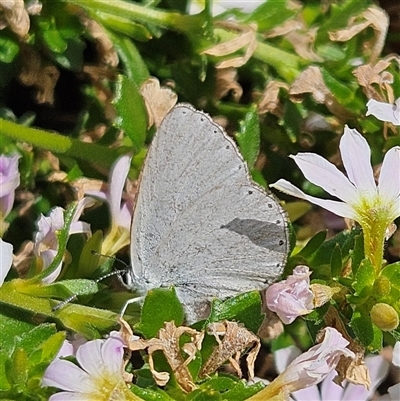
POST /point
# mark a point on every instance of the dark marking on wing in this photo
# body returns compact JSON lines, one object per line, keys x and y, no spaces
{"x":260,"y":233}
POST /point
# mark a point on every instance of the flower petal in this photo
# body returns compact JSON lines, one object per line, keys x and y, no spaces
{"x":292,"y":297}
{"x":308,"y":394}
{"x":356,"y":157}
{"x":67,"y":376}
{"x":384,"y":111}
{"x":119,"y":172}
{"x":6,"y":254}
{"x":313,"y":366}
{"x":284,"y":356}
{"x":64,"y":396}
{"x":389,"y":178}
{"x":112,"y":354}
{"x":339,"y":208}
{"x":326,"y":175}
{"x":90,"y":359}
{"x":332,"y":391}
{"x":396,"y":354}
{"x":394,"y":392}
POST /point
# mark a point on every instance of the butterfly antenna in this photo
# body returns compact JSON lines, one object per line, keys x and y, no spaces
{"x":97,"y":280}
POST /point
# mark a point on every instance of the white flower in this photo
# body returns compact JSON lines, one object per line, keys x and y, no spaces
{"x":385,"y":111}
{"x":309,"y":368}
{"x":6,"y":254}
{"x":328,"y":389}
{"x":98,"y":376}
{"x":121,"y":213}
{"x":46,"y":242}
{"x":359,"y":193}
{"x":374,"y":207}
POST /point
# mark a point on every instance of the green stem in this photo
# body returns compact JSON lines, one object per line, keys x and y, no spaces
{"x":60,"y":144}
{"x":171,"y":20}
{"x":287,"y":65}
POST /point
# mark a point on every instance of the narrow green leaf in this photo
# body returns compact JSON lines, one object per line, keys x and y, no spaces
{"x":87,"y":321}
{"x":313,"y":244}
{"x":4,"y":361}
{"x":9,"y":48}
{"x":134,"y":66}
{"x":18,"y":373}
{"x":336,"y":261}
{"x":132,"y":114}
{"x":248,"y":137}
{"x":357,"y":253}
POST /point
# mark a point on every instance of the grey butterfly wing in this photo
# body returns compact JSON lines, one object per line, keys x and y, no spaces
{"x":200,"y":223}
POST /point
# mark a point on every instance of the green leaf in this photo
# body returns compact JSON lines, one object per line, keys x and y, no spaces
{"x":313,"y":244}
{"x":248,"y":137}
{"x":9,"y":48}
{"x":341,"y":92}
{"x":151,"y":393}
{"x":369,"y":335}
{"x":18,"y":373}
{"x":89,"y":261}
{"x":4,"y":361}
{"x":271,"y":14}
{"x":90,"y":322}
{"x":134,"y":66}
{"x":132,"y":114}
{"x":31,"y":340}
{"x":336,"y":261}
{"x":160,"y":305}
{"x":72,"y":57}
{"x":244,"y":308}
{"x":357,"y":253}
{"x":364,"y":279}
{"x":54,"y":40}
{"x":13,"y":325}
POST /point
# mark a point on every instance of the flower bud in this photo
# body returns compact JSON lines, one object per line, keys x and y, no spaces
{"x":382,"y":286}
{"x":384,"y":317}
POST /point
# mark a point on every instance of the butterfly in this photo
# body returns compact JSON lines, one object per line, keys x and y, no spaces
{"x":200,"y":224}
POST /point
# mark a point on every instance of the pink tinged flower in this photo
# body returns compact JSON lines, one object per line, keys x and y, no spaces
{"x":385,"y":111}
{"x":292,"y":297}
{"x":121,"y":209}
{"x":6,"y":253}
{"x":46,"y":242}
{"x":98,"y":376}
{"x":378,"y":369}
{"x":9,"y":181}
{"x":121,"y":213}
{"x":313,"y":366}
